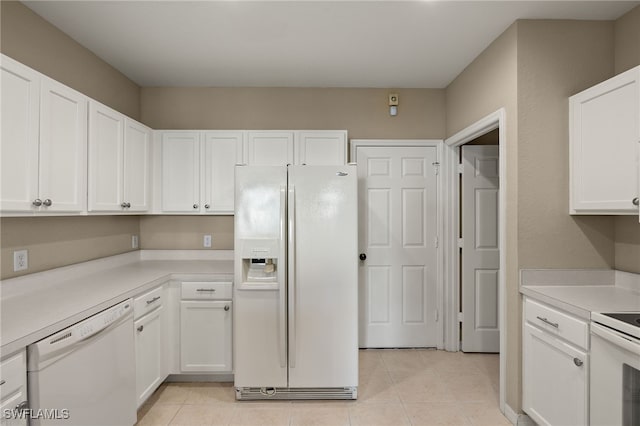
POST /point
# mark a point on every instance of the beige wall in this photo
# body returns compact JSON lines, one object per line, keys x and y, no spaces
{"x":29,"y":39}
{"x":54,"y":242}
{"x":186,"y":232}
{"x":486,"y":85}
{"x":557,"y":59}
{"x":627,"y":55}
{"x":57,"y":241}
{"x":364,"y":113}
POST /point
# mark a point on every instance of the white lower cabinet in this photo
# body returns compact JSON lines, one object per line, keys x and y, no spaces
{"x":205,"y":327}
{"x":150,"y":332}
{"x":13,"y":389}
{"x":555,"y":368}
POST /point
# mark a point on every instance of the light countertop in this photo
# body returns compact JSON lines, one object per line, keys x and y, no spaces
{"x":35,"y":306}
{"x":582,"y":292}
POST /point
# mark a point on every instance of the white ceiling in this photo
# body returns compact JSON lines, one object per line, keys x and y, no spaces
{"x":395,"y":44}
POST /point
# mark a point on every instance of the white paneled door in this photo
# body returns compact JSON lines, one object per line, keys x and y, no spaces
{"x":480,"y":249}
{"x":398,"y":205}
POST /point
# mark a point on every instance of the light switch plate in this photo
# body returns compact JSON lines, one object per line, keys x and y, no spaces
{"x":206,"y":241}
{"x":134,"y":241}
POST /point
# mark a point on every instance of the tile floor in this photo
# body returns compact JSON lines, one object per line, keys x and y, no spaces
{"x":397,"y":387}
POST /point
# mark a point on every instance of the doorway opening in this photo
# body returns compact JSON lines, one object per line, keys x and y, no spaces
{"x":474,"y":245}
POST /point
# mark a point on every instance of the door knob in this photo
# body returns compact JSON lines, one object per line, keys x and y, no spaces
{"x":636,"y":201}
{"x":363,"y":256}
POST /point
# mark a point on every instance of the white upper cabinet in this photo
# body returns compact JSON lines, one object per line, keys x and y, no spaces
{"x":321,"y":148}
{"x":270,"y":148}
{"x":137,"y":161}
{"x":180,"y":172}
{"x":118,"y":162}
{"x":20,"y":125}
{"x":221,"y":151}
{"x":44,"y":143}
{"x":604,"y":131}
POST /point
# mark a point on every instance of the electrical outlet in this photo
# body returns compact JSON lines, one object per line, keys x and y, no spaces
{"x":207,"y":241}
{"x":134,"y":241}
{"x":20,"y":260}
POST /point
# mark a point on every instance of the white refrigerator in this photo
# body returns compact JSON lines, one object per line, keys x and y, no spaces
{"x":296,"y":282}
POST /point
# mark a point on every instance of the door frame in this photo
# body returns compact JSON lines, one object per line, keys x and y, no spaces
{"x":438,"y":144}
{"x":495,"y":120}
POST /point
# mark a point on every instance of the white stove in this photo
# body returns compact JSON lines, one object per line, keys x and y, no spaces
{"x":615,"y":369}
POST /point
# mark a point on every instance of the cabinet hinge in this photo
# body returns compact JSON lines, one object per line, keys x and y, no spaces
{"x":461,"y":168}
{"x":437,"y":315}
{"x":436,"y":242}
{"x":460,"y":242}
{"x":460,"y":317}
{"x":436,"y":167}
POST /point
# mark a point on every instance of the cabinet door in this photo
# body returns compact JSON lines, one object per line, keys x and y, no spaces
{"x":106,"y":131}
{"x":180,"y":172}
{"x":63,"y":148}
{"x":604,"y":128}
{"x":20,"y":122}
{"x":137,"y":140}
{"x":554,"y":379}
{"x":270,"y":148}
{"x":321,"y":148}
{"x":13,"y":391}
{"x":149,"y":352}
{"x":222,"y":151}
{"x":205,"y":336}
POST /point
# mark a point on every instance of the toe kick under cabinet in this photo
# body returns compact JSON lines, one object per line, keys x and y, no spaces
{"x":555,"y":365}
{"x":205,"y":327}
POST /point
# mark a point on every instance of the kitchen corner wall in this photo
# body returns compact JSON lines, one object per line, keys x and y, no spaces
{"x":627,"y":55}
{"x":59,"y":241}
{"x":364,"y":113}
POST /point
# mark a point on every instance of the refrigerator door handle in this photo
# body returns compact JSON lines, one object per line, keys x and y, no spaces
{"x":282,"y":273}
{"x":292,"y":275}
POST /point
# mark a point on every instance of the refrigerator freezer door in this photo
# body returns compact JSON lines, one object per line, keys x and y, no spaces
{"x":260,"y":312}
{"x":323,"y":280}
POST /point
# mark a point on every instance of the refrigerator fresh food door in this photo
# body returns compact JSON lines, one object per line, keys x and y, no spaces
{"x":259,"y":320}
{"x":323,"y":280}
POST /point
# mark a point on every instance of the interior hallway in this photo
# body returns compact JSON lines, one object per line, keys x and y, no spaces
{"x":397,"y":387}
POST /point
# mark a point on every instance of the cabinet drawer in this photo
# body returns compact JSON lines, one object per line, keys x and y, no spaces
{"x":557,"y":323}
{"x":147,"y":302}
{"x":13,"y":375}
{"x":206,"y":290}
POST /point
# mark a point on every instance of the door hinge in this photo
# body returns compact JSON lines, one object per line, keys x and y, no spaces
{"x":436,"y":242}
{"x":461,"y":168}
{"x":460,"y":242}
{"x":436,"y":167}
{"x":460,"y":317}
{"x":437,"y":315}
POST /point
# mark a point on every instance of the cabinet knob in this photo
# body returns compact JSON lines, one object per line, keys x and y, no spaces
{"x":37,"y":202}
{"x":123,"y":205}
{"x":2,"y":382}
{"x":636,"y":201}
{"x":363,"y":256}
{"x":140,"y":328}
{"x":128,"y":205}
{"x":195,"y":206}
{"x":47,"y":202}
{"x":22,"y":406}
{"x":206,"y":206}
{"x":578,"y":362}
{"x":226,"y":307}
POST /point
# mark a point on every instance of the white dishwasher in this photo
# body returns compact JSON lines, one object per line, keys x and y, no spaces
{"x":85,"y":374}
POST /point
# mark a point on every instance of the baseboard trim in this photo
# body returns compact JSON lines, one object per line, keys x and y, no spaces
{"x":518,"y":419}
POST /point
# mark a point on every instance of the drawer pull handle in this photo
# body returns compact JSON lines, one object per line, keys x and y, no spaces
{"x":153,"y":300}
{"x":207,"y":289}
{"x":141,"y":327}
{"x":578,"y":362}
{"x":2,"y":382}
{"x":226,"y":307}
{"x":546,"y":321}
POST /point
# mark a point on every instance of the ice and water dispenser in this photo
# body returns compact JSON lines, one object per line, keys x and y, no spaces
{"x":260,"y":264}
